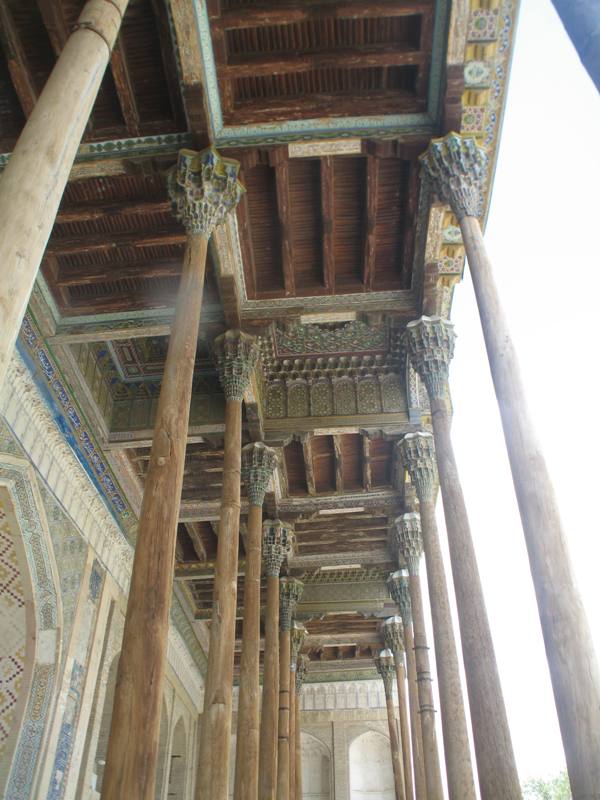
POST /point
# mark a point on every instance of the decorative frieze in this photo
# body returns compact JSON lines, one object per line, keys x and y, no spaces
{"x":204,"y":189}
{"x":457,"y":167}
{"x":236,"y":356}
{"x":276,"y":545}
{"x":409,"y":540}
{"x":397,"y":584}
{"x":258,"y":464}
{"x":290,"y":592}
{"x":417,"y":453}
{"x":430,"y":345}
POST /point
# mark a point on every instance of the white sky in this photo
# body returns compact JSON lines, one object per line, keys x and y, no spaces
{"x":542,"y":237}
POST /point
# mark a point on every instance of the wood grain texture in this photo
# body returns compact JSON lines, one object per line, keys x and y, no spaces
{"x":415,"y":718}
{"x":268,"y":724}
{"x":133,"y":743}
{"x":213,"y":764}
{"x":283,"y":725}
{"x":248,"y":721}
{"x":569,"y":646}
{"x":395,"y":747}
{"x":404,"y":731}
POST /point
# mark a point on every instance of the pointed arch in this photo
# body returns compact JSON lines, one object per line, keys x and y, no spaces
{"x":370,"y":764}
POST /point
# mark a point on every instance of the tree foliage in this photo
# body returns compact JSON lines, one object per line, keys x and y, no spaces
{"x":556,"y":788}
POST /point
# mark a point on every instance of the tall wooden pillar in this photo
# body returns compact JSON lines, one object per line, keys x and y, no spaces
{"x":457,"y":167}
{"x":204,"y":189}
{"x":397,"y":585}
{"x":418,"y":455}
{"x":301,"y":671}
{"x":393,"y":638}
{"x":258,"y":464}
{"x":385,"y":667}
{"x":298,"y":636}
{"x":38,"y":169}
{"x":277,"y":542}
{"x":431,"y":344}
{"x":236,"y":355}
{"x":401,"y":595}
{"x":290,"y":591}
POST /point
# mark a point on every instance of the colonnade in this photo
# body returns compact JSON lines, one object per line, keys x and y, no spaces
{"x":204,"y":189}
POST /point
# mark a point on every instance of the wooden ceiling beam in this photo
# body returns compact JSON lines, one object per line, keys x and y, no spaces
{"x":366,"y":464}
{"x":112,"y":241}
{"x":94,"y":211}
{"x":308,"y":464}
{"x":282,"y":177}
{"x":16,"y":59}
{"x":358,"y":104}
{"x":121,"y":301}
{"x":339,"y":464}
{"x":368,"y":272}
{"x":350,"y":58}
{"x":159,"y":9}
{"x":243,"y":218}
{"x":327,"y":218}
{"x":55,"y":23}
{"x":117,"y":270}
{"x":281,"y":13}
{"x":123,"y":85}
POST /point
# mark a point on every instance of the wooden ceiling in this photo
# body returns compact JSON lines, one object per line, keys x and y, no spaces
{"x":286,"y":61}
{"x":331,"y":225}
{"x":139,"y":94}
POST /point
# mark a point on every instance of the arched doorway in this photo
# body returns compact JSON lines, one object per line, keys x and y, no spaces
{"x":371,"y":773}
{"x":179,"y":763}
{"x":316,"y":768}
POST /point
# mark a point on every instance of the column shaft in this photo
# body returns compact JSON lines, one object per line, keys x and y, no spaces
{"x":133,"y":743}
{"x":283,"y":730}
{"x":415,"y":719}
{"x":38,"y":169}
{"x":292,"y":734}
{"x":573,"y":665}
{"x":248,"y":722}
{"x":431,"y":759}
{"x":395,"y":747}
{"x":270,"y":696}
{"x":298,"y":753}
{"x":454,"y":722}
{"x":404,"y":734}
{"x":216,"y":725}
{"x":496,"y":764}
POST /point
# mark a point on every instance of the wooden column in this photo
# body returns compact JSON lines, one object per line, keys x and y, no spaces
{"x":458,"y":166}
{"x":236,"y":355}
{"x":301,"y":670}
{"x":38,"y":169}
{"x":431,"y":345}
{"x":397,"y":585}
{"x":258,"y":464}
{"x":290,"y":591}
{"x":277,"y":541}
{"x":393,"y":637}
{"x":298,"y":636}
{"x":203,"y":188}
{"x":385,"y":667}
{"x":402,"y":598}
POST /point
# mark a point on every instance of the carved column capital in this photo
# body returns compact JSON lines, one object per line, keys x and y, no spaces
{"x":384,"y":663}
{"x":392,"y":631}
{"x":258,"y":464}
{"x":410,"y":540}
{"x":417,"y":452}
{"x":301,"y":670}
{"x":457,"y":166}
{"x":429,"y":342}
{"x":276,"y":545}
{"x":290,"y":592}
{"x":298,"y":636}
{"x":236,"y":355}
{"x":397,"y":584}
{"x":203,"y":188}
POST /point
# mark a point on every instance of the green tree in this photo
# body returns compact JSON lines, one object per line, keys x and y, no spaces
{"x":552,"y":789}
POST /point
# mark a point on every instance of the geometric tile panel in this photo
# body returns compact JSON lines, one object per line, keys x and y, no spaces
{"x":12,"y":628}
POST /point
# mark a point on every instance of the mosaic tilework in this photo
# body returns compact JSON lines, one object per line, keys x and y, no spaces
{"x":12,"y":627}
